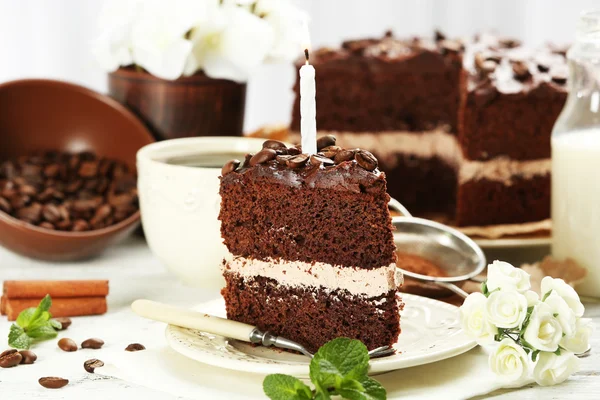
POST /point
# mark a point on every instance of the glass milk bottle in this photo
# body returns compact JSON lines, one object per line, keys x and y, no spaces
{"x":576,"y":159}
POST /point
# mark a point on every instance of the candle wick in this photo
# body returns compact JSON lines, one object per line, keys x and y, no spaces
{"x":306,"y":55}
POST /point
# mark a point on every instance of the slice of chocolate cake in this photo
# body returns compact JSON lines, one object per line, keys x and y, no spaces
{"x":313,"y":251}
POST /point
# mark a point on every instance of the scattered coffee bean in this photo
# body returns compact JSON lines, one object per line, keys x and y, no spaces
{"x":297,"y":161}
{"x":230,"y":166}
{"x":53,"y":189}
{"x":53,"y":382}
{"x":65,"y":322}
{"x":93,"y":343}
{"x":330,"y":151}
{"x":366,"y":160}
{"x":263,"y":156}
{"x":67,"y":344}
{"x":325,"y":141}
{"x":274,"y":145}
{"x":10,"y":358}
{"x":316,"y":159}
{"x":28,"y":356}
{"x":344,"y":155}
{"x":91,"y":365}
{"x":135,"y":347}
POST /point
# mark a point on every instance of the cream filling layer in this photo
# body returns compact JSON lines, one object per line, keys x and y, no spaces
{"x":357,"y":281}
{"x":444,"y":145}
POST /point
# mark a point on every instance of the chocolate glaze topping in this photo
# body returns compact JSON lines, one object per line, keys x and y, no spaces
{"x":332,"y":167}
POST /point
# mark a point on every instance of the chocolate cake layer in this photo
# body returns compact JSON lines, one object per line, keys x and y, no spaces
{"x":387,"y":84}
{"x":336,"y":215}
{"x":325,"y":315}
{"x":514,"y":96}
{"x":486,"y":202}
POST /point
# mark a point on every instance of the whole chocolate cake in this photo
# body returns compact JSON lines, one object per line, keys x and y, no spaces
{"x":461,"y":128}
{"x":312,"y":245}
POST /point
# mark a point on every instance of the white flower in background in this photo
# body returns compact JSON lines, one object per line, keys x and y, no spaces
{"x":506,"y":308}
{"x":503,"y":275}
{"x":230,"y":45}
{"x":158,"y":35}
{"x":474,"y":320}
{"x":562,"y":312}
{"x":532,"y":298}
{"x":552,"y":369}
{"x":565,"y":291}
{"x":289,"y":24}
{"x":510,"y":362}
{"x":112,"y":49}
{"x":543,"y":331}
{"x":579,"y":341}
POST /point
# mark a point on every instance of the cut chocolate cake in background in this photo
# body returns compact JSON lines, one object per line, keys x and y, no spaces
{"x":461,"y":128}
{"x":312,"y":245}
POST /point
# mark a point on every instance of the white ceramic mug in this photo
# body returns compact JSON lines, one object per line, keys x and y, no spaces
{"x":180,"y":205}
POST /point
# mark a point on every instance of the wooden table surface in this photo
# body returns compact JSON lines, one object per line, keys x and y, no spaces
{"x":133,"y":272}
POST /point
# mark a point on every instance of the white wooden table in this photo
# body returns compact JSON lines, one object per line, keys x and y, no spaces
{"x":134,"y":273}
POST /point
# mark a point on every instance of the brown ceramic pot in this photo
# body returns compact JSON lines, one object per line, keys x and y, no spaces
{"x":188,"y":106}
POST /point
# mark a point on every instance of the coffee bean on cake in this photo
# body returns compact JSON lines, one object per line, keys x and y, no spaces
{"x":274,"y":145}
{"x":317,"y":159}
{"x":67,"y":192}
{"x":366,"y":160}
{"x":325,"y":141}
{"x":298,"y":161}
{"x":344,"y":155}
{"x":262,"y":157}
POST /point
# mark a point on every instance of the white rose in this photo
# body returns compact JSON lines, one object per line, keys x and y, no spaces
{"x":565,"y":291}
{"x":579,"y":341}
{"x":552,"y":369}
{"x":543,"y":331}
{"x":289,"y":24}
{"x":502,"y":275}
{"x":506,"y":308}
{"x":158,"y":39}
{"x":562,"y":312}
{"x":532,"y":298}
{"x":474,"y":321}
{"x":509,"y":362}
{"x":230,"y":44}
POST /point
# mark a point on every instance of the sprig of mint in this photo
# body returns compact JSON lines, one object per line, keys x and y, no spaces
{"x":32,"y":325}
{"x":338,"y":369}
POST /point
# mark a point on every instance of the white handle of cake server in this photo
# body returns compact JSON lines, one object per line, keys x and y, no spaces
{"x":192,"y":319}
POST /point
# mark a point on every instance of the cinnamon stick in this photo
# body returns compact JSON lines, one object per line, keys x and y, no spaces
{"x":56,"y":289}
{"x":61,"y":307}
{"x":3,"y":305}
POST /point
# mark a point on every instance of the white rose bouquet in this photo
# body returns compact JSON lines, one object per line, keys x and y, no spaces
{"x":534,"y":337}
{"x":224,"y":38}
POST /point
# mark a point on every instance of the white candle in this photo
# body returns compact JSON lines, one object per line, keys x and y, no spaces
{"x":308,"y":108}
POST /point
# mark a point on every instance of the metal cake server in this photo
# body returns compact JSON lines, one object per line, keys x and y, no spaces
{"x":224,"y":327}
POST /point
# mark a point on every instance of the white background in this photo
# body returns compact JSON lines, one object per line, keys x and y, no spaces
{"x":52,"y":38}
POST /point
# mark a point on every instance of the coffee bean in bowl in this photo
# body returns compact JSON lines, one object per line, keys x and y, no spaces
{"x":72,"y":192}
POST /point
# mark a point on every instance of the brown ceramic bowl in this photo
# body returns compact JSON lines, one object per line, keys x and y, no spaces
{"x":51,"y":115}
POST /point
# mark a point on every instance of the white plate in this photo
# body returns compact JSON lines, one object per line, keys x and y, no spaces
{"x":430,"y":332}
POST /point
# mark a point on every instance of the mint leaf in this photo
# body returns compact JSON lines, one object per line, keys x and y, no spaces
{"x":18,"y":339}
{"x":371,"y":390}
{"x":340,"y":359}
{"x":25,"y":317}
{"x":285,"y":387}
{"x":44,"y":306}
{"x":55,"y":324}
{"x":33,"y":324}
{"x":42,"y":332}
